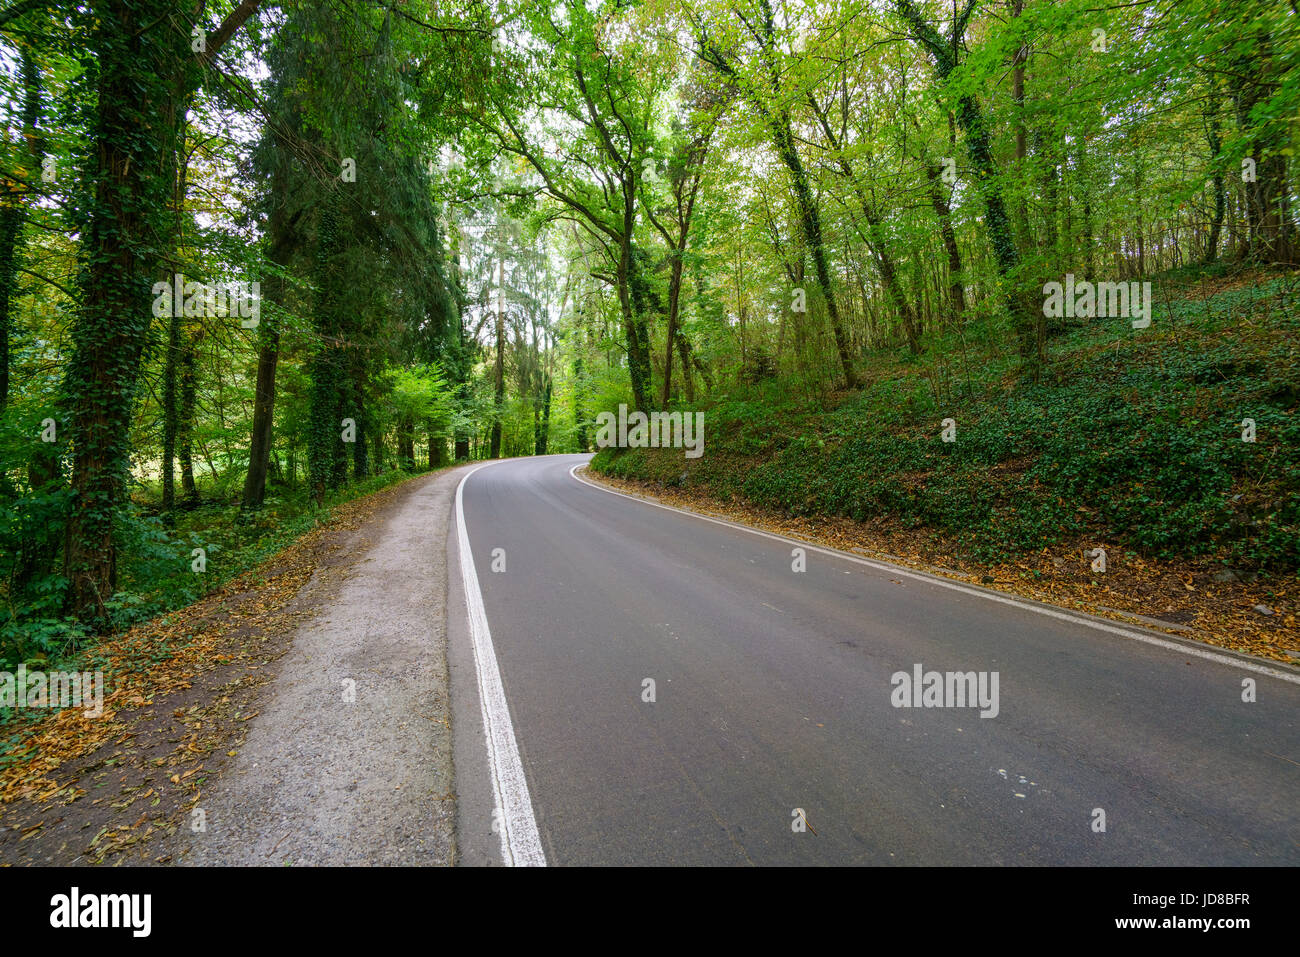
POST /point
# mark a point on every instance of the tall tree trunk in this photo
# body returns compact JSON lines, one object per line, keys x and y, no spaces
{"x":674,"y":305}
{"x":579,"y":413}
{"x":810,"y":219}
{"x":543,"y":434}
{"x":360,"y":457}
{"x":1004,"y":247}
{"x":1022,"y":131}
{"x":138,"y":57}
{"x":460,"y":451}
{"x":685,"y":189}
{"x":943,"y":213}
{"x":1270,"y":232}
{"x":175,"y":332}
{"x":684,"y":354}
{"x":1045,"y":149}
{"x":632,"y":304}
{"x":144,"y":69}
{"x":171,"y":413}
{"x":1141,"y":229}
{"x":889,"y":275}
{"x":13,"y":214}
{"x":283,"y":240}
{"x":406,"y":444}
{"x":1212,"y":128}
{"x":437,"y":447}
{"x":326,"y":457}
{"x":778,"y":122}
{"x":499,"y":393}
{"x":1082,"y":176}
{"x":1027,"y":321}
{"x":185,"y":423}
{"x":875,"y":235}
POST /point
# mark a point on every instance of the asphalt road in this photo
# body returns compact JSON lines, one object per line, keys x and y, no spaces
{"x":773,"y":693}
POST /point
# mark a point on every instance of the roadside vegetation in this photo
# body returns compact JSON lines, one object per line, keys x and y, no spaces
{"x":1135,"y":441}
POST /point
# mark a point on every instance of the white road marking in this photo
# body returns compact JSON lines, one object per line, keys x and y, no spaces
{"x":521,"y":845}
{"x":1182,"y":649}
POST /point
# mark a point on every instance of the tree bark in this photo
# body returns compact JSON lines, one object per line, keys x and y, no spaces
{"x":1027,"y":321}
{"x":283,"y":239}
{"x":144,"y":70}
{"x":132,"y":132}
{"x":500,"y":368}
{"x":778,"y":122}
{"x":943,"y":213}
{"x":14,"y":212}
{"x":185,"y":423}
{"x":171,"y":414}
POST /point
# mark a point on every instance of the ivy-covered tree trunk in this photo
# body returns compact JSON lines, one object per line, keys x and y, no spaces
{"x":360,"y":458}
{"x":283,"y":239}
{"x":13,"y":212}
{"x":39,"y":548}
{"x":1270,"y":232}
{"x":122,"y":219}
{"x":325,"y":437}
{"x":674,"y":311}
{"x":1027,"y":321}
{"x":142,"y":67}
{"x":632,"y":306}
{"x":579,"y":413}
{"x":170,"y":414}
{"x":406,"y":444}
{"x":175,"y":330}
{"x":810,"y":220}
{"x":542,"y":427}
{"x":185,"y":423}
{"x":943,"y":213}
{"x":325,"y":452}
{"x":1212,"y":139}
{"x":1268,"y":229}
{"x":684,"y":354}
{"x":499,"y":369}
{"x":437,"y":447}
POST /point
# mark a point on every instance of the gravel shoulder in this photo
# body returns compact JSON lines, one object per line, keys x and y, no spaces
{"x":225,"y":737}
{"x":349,"y":761}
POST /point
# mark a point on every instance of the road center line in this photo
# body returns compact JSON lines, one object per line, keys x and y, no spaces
{"x":521,"y":845}
{"x":1182,"y":649}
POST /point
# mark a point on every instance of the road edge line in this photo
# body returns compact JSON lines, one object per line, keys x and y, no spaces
{"x":521,"y":844}
{"x":1161,"y":642}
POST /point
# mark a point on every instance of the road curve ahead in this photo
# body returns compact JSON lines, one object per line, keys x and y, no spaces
{"x":773,"y":736}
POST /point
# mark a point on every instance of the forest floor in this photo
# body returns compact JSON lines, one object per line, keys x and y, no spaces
{"x":1182,"y":598}
{"x":299,"y":715}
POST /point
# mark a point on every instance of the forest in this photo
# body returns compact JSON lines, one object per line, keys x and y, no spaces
{"x":1018,"y":271}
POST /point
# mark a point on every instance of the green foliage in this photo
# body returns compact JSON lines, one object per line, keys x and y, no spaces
{"x":1138,"y":444}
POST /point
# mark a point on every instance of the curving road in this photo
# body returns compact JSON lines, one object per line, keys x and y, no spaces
{"x":772,"y":692}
